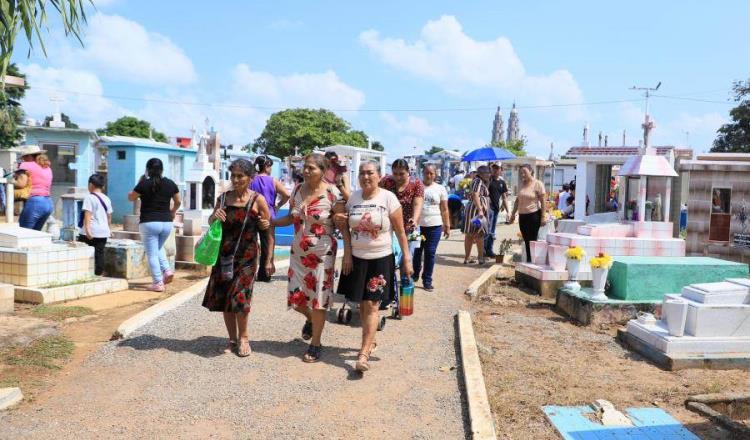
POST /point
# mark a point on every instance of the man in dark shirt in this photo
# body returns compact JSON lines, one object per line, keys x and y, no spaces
{"x":498,"y":190}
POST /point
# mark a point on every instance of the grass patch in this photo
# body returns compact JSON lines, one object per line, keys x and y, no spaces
{"x":60,"y":313}
{"x":9,"y":382}
{"x":45,"y":353}
{"x":69,"y":283}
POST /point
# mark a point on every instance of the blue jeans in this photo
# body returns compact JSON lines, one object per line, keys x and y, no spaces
{"x":489,"y":240}
{"x":35,"y":212}
{"x":428,"y":249}
{"x":154,"y":235}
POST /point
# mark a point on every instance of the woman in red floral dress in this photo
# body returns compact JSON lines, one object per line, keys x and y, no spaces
{"x":313,"y":254}
{"x":240,"y":211}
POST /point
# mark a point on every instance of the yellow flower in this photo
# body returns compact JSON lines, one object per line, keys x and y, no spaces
{"x":575,"y":253}
{"x":557,"y":214}
{"x":601,"y":261}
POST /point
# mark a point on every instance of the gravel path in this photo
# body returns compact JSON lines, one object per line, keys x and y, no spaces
{"x":169,"y":380}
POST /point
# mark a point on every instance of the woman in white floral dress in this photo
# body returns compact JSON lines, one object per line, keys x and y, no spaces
{"x":313,"y":254}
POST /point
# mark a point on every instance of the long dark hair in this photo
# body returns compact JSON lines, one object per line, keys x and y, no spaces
{"x":262,"y":162}
{"x":154,"y":170}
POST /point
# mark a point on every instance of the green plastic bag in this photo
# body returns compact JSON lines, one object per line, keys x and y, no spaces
{"x":207,"y":249}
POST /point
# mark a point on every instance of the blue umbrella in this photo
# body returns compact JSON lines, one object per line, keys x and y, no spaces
{"x":487,"y":153}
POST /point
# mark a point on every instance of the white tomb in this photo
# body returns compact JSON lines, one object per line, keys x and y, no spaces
{"x":705,"y":320}
{"x":43,"y":271}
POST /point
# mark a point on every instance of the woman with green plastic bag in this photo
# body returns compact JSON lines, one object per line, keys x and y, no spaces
{"x":230,"y":287}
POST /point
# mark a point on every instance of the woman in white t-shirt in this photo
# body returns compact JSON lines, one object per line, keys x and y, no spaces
{"x":368,"y":269}
{"x":433,"y":220}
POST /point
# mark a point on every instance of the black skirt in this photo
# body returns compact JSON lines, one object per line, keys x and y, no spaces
{"x":371,"y":280}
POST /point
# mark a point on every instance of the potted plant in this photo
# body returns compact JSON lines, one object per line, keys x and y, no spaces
{"x":632,"y":206}
{"x":649,"y":209}
{"x":575,"y":255}
{"x":600,"y":266}
{"x":504,"y":249}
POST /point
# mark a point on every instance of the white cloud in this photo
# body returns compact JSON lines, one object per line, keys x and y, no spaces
{"x":414,"y":134}
{"x":87,"y":108}
{"x":317,"y":90}
{"x":461,"y":65}
{"x":412,"y":125}
{"x":124,"y":50}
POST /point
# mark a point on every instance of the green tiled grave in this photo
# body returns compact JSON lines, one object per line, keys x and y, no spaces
{"x":649,"y":278}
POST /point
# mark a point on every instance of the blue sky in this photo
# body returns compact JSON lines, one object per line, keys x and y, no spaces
{"x":377,"y":63}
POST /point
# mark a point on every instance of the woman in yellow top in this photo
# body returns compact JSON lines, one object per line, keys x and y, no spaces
{"x":531,"y":207}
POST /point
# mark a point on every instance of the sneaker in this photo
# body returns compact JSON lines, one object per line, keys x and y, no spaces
{"x":168,"y":276}
{"x":429,"y":287}
{"x":156,"y":287}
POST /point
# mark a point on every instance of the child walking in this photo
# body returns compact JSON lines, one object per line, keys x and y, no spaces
{"x":97,"y":218}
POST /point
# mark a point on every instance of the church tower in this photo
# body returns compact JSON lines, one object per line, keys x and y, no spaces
{"x":498,"y":131}
{"x":513,"y":130}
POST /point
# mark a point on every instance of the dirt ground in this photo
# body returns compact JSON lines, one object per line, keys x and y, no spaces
{"x":533,"y":356}
{"x":86,"y":332}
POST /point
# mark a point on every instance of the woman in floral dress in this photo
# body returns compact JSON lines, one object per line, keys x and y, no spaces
{"x":240,"y":211}
{"x":313,"y":254}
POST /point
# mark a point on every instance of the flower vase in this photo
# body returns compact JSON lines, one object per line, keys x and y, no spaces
{"x":573,"y":268}
{"x":599,"y":281}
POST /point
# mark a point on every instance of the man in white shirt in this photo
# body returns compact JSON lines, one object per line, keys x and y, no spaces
{"x":434,"y":220}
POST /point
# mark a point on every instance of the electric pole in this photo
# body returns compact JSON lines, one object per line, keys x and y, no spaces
{"x":648,"y":124}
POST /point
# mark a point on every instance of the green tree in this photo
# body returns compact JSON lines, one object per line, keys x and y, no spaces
{"x":305,"y":129}
{"x":11,"y":113}
{"x":515,"y":146}
{"x":130,"y":126}
{"x":377,"y":146}
{"x":734,"y":137}
{"x":65,"y":118}
{"x":30,"y":17}
{"x":433,"y":150}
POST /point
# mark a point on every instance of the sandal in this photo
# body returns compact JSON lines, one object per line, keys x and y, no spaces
{"x":231,"y":347}
{"x":307,"y":331}
{"x":360,"y":365}
{"x":242,"y":351}
{"x":313,"y":354}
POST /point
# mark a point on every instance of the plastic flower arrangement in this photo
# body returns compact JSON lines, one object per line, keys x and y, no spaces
{"x":415,"y":236}
{"x":575,"y":253}
{"x":601,"y":261}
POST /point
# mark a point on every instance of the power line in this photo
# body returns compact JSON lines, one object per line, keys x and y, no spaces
{"x":685,"y":98}
{"x":271,"y":108}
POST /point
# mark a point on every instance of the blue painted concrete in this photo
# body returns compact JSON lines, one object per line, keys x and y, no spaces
{"x":649,"y":424}
{"x":81,"y":140}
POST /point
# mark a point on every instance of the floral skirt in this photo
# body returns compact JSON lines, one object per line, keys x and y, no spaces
{"x":371,"y":280}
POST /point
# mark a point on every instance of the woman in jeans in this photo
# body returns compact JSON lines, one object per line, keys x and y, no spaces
{"x":432,"y":222}
{"x":269,"y":187}
{"x":160,"y":200}
{"x":38,"y":207}
{"x":530,"y":205}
